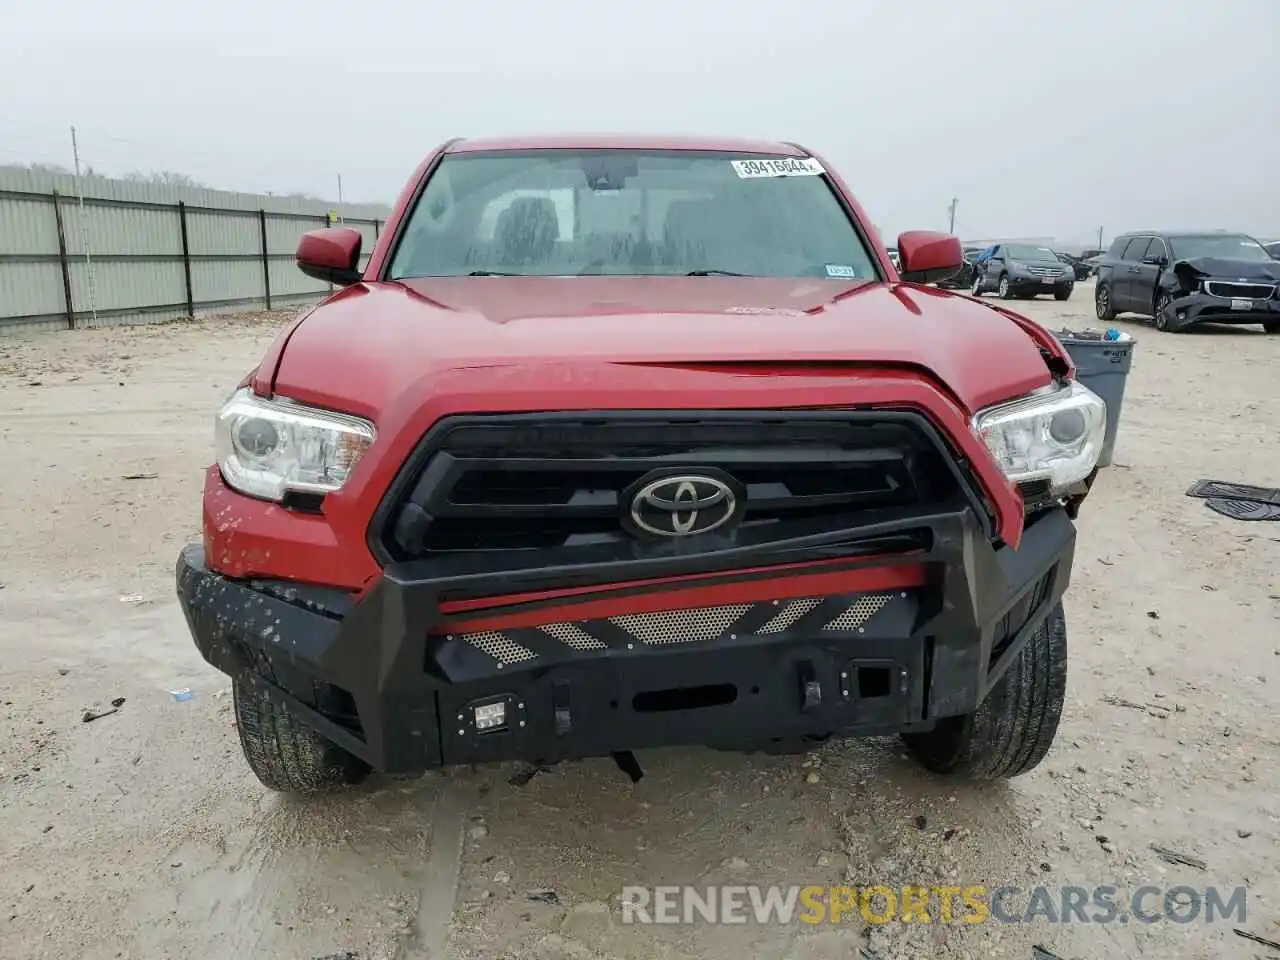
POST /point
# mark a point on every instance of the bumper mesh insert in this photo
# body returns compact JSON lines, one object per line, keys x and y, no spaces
{"x":681,"y":626}
{"x":859,"y":612}
{"x":665,"y":627}
{"x":499,"y":646}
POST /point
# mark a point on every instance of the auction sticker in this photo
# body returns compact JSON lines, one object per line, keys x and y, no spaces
{"x":777,"y":167}
{"x":841,"y":270}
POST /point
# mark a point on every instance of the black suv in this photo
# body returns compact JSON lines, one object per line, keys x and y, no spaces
{"x":1181,"y":279}
{"x":1022,"y":270}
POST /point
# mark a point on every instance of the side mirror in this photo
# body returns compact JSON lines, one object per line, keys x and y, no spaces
{"x":331,"y":255}
{"x":1157,"y":261}
{"x":928,"y":256}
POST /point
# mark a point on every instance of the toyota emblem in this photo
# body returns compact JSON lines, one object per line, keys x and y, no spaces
{"x":681,"y":505}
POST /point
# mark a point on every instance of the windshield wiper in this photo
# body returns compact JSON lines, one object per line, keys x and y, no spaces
{"x":494,"y":273}
{"x":714,"y":273}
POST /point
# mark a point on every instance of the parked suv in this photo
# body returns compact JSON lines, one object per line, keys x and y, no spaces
{"x":1180,"y":279}
{"x":1022,"y":270}
{"x":624,"y":442}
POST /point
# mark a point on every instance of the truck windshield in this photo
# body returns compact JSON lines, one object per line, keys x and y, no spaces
{"x":629,"y":213}
{"x":1229,"y":246}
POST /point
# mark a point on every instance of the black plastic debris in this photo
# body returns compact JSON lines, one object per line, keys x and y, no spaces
{"x":1207,"y":489}
{"x":628,"y":764}
{"x":526,"y":773}
{"x":90,"y":715}
{"x":543,"y":896}
{"x":1255,"y":938}
{"x":1173,"y":856}
{"x":1239,"y":501}
{"x":1246,"y":510}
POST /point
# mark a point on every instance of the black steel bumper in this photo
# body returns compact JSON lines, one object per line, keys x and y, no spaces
{"x":392,"y":681}
{"x":1201,"y":307}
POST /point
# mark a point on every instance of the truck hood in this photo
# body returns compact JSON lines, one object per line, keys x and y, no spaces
{"x":373,"y":342}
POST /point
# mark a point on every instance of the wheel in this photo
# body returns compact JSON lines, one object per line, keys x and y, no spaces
{"x":1161,"y":311}
{"x":1102,"y":303}
{"x":287,"y":755}
{"x":1062,"y":294}
{"x":1004,"y":289}
{"x":1271,"y":326}
{"x":1013,"y":728}
{"x":975,"y":288}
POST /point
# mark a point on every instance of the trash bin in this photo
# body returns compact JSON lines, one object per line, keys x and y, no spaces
{"x":1102,"y":364}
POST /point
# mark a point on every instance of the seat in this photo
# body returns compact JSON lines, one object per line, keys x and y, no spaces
{"x":688,"y":232}
{"x":527,"y":231}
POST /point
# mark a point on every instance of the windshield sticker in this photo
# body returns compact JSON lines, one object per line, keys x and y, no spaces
{"x":777,"y":167}
{"x":841,"y":270}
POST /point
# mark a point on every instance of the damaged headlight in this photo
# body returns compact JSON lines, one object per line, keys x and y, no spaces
{"x":1055,"y":436}
{"x":268,"y":448}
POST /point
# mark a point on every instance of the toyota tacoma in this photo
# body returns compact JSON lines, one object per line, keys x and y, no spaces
{"x":617,"y":443}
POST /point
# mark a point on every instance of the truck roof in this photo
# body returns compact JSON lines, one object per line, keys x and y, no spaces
{"x":607,"y":141}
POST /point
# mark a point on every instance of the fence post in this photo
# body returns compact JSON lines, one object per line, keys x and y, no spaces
{"x":375,"y":231}
{"x":327,"y":225}
{"x":186,"y":259}
{"x":266,"y":261}
{"x":62,"y":261}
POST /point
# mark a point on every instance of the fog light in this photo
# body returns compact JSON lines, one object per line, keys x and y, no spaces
{"x":490,"y":716}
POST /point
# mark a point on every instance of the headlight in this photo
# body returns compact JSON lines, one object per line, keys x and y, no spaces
{"x":267,"y":448}
{"x":1055,"y":436}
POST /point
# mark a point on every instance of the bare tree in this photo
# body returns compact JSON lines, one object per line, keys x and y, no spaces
{"x":166,"y":178}
{"x":47,"y":168}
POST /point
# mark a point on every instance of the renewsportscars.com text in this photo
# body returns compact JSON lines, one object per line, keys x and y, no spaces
{"x":936,"y":904}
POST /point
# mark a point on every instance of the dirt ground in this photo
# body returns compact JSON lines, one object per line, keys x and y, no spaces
{"x":143,"y":835}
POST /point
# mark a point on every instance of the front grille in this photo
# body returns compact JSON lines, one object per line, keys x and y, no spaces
{"x":698,"y":625}
{"x":1045,"y":271}
{"x":1241,"y":291}
{"x":488,"y":485}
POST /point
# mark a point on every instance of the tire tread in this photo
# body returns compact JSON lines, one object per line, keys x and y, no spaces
{"x":285,"y":754}
{"x":1013,"y":728}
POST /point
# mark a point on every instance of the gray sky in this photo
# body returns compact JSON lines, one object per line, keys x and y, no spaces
{"x":1043,"y":117}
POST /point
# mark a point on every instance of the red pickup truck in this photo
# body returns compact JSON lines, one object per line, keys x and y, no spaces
{"x":616,"y":443}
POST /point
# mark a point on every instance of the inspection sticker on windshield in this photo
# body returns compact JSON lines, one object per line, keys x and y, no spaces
{"x":841,"y":270}
{"x":777,"y":167}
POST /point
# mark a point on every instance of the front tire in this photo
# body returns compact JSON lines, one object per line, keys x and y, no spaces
{"x":1271,"y":326}
{"x":1102,"y":304}
{"x":1004,"y":290}
{"x":1062,"y":294}
{"x":1013,"y":728}
{"x":975,"y":289}
{"x":285,"y":754}
{"x":1161,"y":311}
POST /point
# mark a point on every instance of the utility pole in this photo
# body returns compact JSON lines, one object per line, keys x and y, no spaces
{"x":339,"y":198}
{"x":1099,"y":238}
{"x":84,"y":230}
{"x":952,"y":212}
